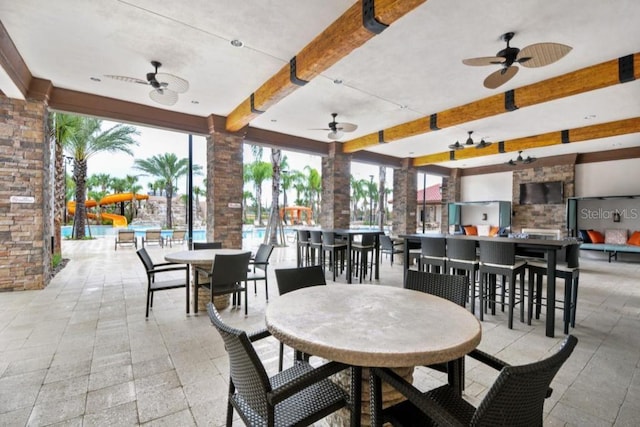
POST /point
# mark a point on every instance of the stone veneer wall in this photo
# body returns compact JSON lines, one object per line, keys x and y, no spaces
{"x":336,"y":188}
{"x":224,"y":178}
{"x":25,"y":170}
{"x":405,"y":186}
{"x":542,"y":216}
{"x":451,"y":190}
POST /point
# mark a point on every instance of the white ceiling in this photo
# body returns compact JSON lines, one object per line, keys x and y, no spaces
{"x":411,"y":70}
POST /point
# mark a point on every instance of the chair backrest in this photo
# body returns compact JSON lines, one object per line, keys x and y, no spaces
{"x":454,"y":288}
{"x":368,"y":240}
{"x":573,"y":255}
{"x":179,"y":234}
{"x":303,"y":236}
{"x":503,"y":253}
{"x":126,"y":235}
{"x":263,"y":253}
{"x":461,"y":249}
{"x":433,"y":246}
{"x":230,"y":269}
{"x":246,"y":370}
{"x":206,"y":245}
{"x":385,"y":242}
{"x":291,"y":279}
{"x":328,"y":238}
{"x":145,"y":258}
{"x":517,"y":396}
{"x":316,"y":237}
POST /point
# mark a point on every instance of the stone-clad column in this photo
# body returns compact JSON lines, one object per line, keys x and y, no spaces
{"x":404,"y":199}
{"x":336,"y":188}
{"x":26,"y":197}
{"x":224,"y":186}
{"x":451,"y":186}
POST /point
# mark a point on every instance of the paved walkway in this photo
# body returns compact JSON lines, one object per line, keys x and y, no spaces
{"x":80,"y":352}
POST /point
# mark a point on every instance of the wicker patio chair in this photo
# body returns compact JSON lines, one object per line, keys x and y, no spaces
{"x":292,"y":279}
{"x":454,"y":288}
{"x":516,"y":398}
{"x":258,"y":266}
{"x":154,"y":270}
{"x":206,"y":245}
{"x":228,"y":275}
{"x":298,"y":396}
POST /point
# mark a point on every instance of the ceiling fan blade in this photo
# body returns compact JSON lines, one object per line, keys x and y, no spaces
{"x":175,"y":83}
{"x":500,"y":77}
{"x":542,"y":54}
{"x":164,"y":96}
{"x":127,"y":79}
{"x":346,"y":127}
{"x":334,"y":135}
{"x":483,"y":60}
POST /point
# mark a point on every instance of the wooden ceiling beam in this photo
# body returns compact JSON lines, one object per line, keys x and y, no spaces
{"x":343,"y":36}
{"x":586,"y":133}
{"x":584,"y":80}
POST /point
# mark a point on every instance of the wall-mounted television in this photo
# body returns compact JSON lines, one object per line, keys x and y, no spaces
{"x":542,"y":193}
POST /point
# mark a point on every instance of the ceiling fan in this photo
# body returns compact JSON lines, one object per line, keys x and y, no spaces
{"x":166,"y":87}
{"x":337,"y":129}
{"x":521,"y":160}
{"x":470,"y":143}
{"x":532,"y":56}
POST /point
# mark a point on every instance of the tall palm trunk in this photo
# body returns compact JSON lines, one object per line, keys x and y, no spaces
{"x":59,"y":196}
{"x":80,"y":178}
{"x":169,"y":192}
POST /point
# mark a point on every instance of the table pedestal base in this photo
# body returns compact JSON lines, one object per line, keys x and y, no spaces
{"x":219,"y":302}
{"x":390,"y":396}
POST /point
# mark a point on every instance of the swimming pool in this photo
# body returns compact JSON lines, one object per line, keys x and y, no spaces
{"x":198,"y":234}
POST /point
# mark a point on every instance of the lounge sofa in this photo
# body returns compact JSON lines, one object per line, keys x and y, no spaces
{"x":613,"y":242}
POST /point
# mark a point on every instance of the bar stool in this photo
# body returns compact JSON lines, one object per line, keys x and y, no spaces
{"x":336,"y":249}
{"x":360,"y":255}
{"x":303,"y":247}
{"x":461,"y":257}
{"x":315,"y":247}
{"x":570,"y":272}
{"x":433,"y":253}
{"x":499,"y":259}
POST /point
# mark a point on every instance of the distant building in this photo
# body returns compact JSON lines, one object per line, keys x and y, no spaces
{"x":430,"y":210}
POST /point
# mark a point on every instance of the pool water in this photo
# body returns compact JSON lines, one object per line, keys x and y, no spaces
{"x":198,"y":235}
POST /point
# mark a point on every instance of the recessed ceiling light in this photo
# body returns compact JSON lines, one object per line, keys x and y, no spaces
{"x":411,"y":153}
{"x":236,"y":43}
{"x":590,"y":117}
{"x":195,"y":102}
{"x":403,"y":106}
{"x":274,"y":120}
{"x":95,"y":79}
{"x":337,"y":81}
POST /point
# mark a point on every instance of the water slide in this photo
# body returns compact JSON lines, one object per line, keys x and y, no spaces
{"x":117,"y":220}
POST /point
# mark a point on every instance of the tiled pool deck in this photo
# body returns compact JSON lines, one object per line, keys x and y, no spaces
{"x":80,"y":352}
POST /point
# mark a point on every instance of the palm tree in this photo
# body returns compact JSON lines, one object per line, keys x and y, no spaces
{"x":259,"y":171}
{"x":168,"y":168}
{"x":62,"y":128}
{"x":357,"y":194}
{"x":88,"y":140}
{"x":314,"y":183}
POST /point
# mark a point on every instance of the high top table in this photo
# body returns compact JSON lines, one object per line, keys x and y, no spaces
{"x":373,"y":326}
{"x":350,"y":233}
{"x":203,"y":257}
{"x":546,"y":247}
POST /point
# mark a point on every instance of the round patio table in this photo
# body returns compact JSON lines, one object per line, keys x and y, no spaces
{"x":203,"y":258}
{"x":373,"y":326}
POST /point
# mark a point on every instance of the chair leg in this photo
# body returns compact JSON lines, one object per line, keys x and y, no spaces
{"x":246,"y":303}
{"x":149,"y":293}
{"x":232,"y":390}
{"x":280,"y":357}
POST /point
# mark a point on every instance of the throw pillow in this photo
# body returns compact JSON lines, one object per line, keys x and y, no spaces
{"x":493,"y":231}
{"x":470,"y":230}
{"x":615,"y":236}
{"x":634,"y":239}
{"x":584,"y":236}
{"x":595,"y":236}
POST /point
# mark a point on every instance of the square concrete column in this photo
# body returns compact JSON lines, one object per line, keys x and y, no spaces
{"x":451,"y":186}
{"x":336,"y":188}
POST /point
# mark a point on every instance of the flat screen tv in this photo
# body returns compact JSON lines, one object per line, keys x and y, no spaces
{"x":542,"y":193}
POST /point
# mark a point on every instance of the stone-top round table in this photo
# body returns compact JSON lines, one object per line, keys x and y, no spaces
{"x":373,"y":326}
{"x":203,"y":258}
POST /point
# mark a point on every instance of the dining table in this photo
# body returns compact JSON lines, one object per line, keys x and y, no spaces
{"x":374,"y":326}
{"x":202,"y":258}
{"x":547,"y":248}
